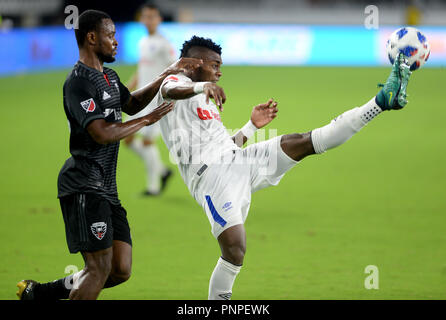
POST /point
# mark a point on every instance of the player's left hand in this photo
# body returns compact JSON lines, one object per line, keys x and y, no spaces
{"x":264,"y":113}
{"x":183,"y":65}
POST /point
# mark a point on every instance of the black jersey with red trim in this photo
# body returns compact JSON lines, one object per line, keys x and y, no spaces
{"x":88,"y":95}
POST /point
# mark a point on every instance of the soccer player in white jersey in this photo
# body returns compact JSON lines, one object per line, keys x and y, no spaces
{"x":155,"y":54}
{"x":220,"y":175}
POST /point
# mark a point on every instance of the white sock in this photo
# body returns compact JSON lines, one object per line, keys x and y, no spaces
{"x":222,"y":280}
{"x":76,"y":280}
{"x":344,"y":127}
{"x":154,"y":167}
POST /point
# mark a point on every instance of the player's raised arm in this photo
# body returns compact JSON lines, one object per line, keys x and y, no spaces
{"x":179,"y":90}
{"x":108,"y":132}
{"x":261,"y":115}
{"x":141,"y":98}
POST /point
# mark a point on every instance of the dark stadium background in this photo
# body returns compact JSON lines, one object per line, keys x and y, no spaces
{"x":377,"y":200}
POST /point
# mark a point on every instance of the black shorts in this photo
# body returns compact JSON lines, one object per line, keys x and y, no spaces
{"x":92,"y":222}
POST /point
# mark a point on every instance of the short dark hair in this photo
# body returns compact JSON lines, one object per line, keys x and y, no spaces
{"x":89,"y":20}
{"x":148,"y":5}
{"x":199,"y":42}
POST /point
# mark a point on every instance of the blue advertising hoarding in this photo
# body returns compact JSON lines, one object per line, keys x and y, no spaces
{"x":45,"y":48}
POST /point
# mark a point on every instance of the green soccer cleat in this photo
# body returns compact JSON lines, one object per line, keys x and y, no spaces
{"x":393,"y":93}
{"x":26,"y":289}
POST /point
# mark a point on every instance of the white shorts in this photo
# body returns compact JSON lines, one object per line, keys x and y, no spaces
{"x":149,"y":132}
{"x":224,"y":190}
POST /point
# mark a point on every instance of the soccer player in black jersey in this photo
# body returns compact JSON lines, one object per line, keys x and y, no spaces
{"x":95,"y":222}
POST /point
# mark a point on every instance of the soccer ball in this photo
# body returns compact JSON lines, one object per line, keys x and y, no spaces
{"x":412,"y":43}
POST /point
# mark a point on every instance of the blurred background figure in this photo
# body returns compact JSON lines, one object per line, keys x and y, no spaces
{"x":413,"y":13}
{"x":155,"y":55}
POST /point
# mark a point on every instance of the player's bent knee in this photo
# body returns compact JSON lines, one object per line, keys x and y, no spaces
{"x":234,"y":253}
{"x":297,"y":145}
{"x":121,"y":273}
{"x":233,"y":244}
{"x":119,"y":277}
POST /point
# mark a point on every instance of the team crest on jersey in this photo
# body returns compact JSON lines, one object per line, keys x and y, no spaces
{"x":99,"y":229}
{"x":88,"y":105}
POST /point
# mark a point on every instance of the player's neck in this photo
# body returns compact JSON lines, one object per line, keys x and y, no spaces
{"x":153,"y":32}
{"x":91,"y":60}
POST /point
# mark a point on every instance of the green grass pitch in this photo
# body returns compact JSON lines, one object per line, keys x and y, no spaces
{"x":377,"y":200}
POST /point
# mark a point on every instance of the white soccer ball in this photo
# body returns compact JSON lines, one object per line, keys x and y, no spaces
{"x":412,"y":43}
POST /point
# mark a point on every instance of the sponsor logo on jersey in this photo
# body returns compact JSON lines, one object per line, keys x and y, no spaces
{"x":118,"y":115}
{"x":88,"y":105}
{"x":204,"y":114}
{"x":99,"y":229}
{"x":107,"y":112}
{"x":116,"y":85}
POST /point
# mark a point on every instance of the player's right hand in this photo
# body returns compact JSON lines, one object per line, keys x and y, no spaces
{"x":159,"y":112}
{"x":211,"y":90}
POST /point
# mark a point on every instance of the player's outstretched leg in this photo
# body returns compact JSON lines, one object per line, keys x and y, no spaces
{"x":392,"y":96}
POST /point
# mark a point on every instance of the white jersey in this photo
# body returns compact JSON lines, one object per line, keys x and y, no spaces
{"x":155,"y":55}
{"x":194,"y":133}
{"x":197,"y":139}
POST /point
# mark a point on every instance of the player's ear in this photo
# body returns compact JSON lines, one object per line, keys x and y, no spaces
{"x":91,"y":38}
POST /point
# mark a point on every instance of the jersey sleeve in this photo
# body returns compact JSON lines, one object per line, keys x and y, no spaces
{"x":174,"y":81}
{"x":171,"y":81}
{"x":82,"y":102}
